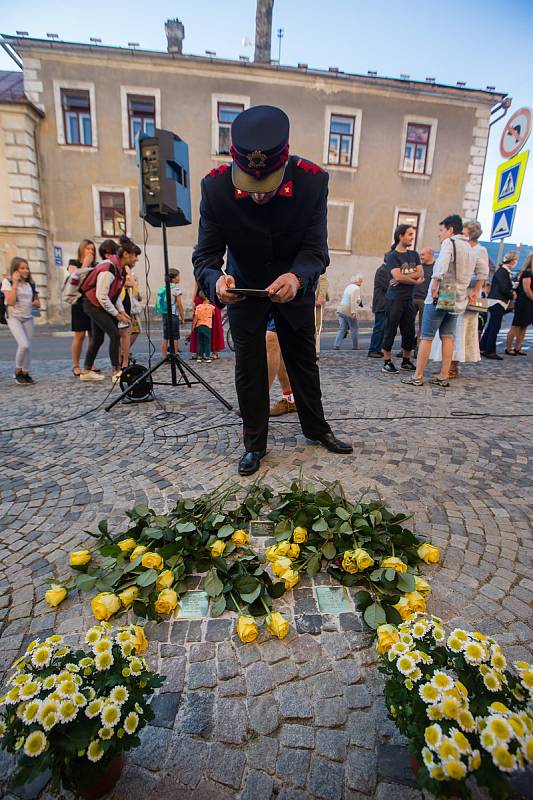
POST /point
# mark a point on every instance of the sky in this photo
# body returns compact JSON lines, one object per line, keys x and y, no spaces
{"x":481,"y":42}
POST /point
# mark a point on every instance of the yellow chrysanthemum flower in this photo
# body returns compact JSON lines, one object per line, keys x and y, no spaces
{"x":492,"y":681}
{"x":41,"y":656}
{"x":93,"y":635}
{"x":103,"y":645}
{"x":103,"y":661}
{"x":31,"y":711}
{"x":49,"y":721}
{"x":466,"y":720}
{"x":29,"y":690}
{"x":461,"y":741}
{"x":434,"y":713}
{"x":500,"y":728}
{"x":454,"y":769}
{"x":35,"y":744}
{"x":405,"y":664}
{"x":503,"y":759}
{"x":67,"y":711}
{"x":427,"y":757}
{"x":437,"y":773}
{"x":66,"y":688}
{"x":110,"y":715}
{"x":433,"y":736}
{"x":460,"y":634}
{"x":455,"y":644}
{"x":447,"y":749}
{"x":475,"y":761}
{"x":106,"y":733}
{"x":442,"y":681}
{"x":475,"y":653}
{"x":488,"y":740}
{"x":429,"y":693}
{"x":131,"y":722}
{"x":119,"y":695}
{"x":95,"y":751}
{"x":94,"y":708}
{"x":451,"y":707}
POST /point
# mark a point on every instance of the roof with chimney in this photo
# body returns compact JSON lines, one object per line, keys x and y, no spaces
{"x":19,"y":44}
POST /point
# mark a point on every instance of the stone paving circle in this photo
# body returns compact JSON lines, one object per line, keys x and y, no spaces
{"x":304,"y":717}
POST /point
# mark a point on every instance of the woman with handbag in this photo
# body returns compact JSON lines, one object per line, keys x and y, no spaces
{"x":466,"y":342}
{"x":523,"y":310}
{"x":500,"y":296}
{"x":21,"y":297}
{"x":80,"y":323}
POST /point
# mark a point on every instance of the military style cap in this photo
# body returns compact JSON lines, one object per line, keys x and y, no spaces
{"x":260,"y":148}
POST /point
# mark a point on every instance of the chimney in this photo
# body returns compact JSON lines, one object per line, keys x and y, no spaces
{"x":175,"y":35}
{"x":263,"y":31}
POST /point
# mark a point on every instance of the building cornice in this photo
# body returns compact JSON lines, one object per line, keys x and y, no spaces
{"x":209,"y":66}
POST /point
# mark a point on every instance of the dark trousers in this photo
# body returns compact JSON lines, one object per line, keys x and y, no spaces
{"x":399,"y":312}
{"x":102,"y":323}
{"x":376,"y":340}
{"x":251,"y":379}
{"x":492,"y":329}
{"x":204,"y":341}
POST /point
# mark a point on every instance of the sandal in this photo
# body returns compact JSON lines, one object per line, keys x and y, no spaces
{"x":436,"y":381}
{"x":412,"y":381}
{"x":76,"y":371}
{"x":214,"y":357}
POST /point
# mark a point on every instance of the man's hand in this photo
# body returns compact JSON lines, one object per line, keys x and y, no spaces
{"x":435,"y":291}
{"x":284,"y":289}
{"x":473,"y":297}
{"x":123,"y":317}
{"x":223,"y":283}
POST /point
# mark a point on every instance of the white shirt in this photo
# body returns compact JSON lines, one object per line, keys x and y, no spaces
{"x":350,"y":299}
{"x":467,"y":263}
{"x":23,"y":301}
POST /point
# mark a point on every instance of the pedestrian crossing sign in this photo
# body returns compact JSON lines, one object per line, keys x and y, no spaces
{"x":509,"y":180}
{"x":502,"y":223}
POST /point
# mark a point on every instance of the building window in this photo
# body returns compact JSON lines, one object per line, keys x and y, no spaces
{"x":411,"y":218}
{"x":342,"y":136}
{"x":340,"y":225}
{"x":141,"y":117}
{"x":226,"y":113}
{"x":76,"y":107}
{"x":112,"y":214}
{"x":416,"y":148}
{"x":341,"y":130}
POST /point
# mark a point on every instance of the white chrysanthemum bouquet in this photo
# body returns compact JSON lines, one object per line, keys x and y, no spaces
{"x":73,"y":712}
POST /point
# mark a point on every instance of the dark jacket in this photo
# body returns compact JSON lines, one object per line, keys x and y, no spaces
{"x":381,"y":284}
{"x":288,"y":234}
{"x":502,"y":285}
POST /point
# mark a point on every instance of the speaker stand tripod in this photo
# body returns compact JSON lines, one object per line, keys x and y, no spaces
{"x":173,"y":358}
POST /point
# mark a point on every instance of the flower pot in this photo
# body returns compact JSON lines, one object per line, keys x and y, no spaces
{"x":415,"y":763}
{"x":106,"y":782}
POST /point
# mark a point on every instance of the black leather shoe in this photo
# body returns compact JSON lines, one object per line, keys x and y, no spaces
{"x":493,"y":356}
{"x":334,"y":445}
{"x":250,"y":462}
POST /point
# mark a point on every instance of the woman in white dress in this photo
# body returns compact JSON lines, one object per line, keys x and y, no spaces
{"x":466,"y":347}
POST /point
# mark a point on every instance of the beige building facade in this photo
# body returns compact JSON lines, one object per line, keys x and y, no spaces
{"x":396,"y":150}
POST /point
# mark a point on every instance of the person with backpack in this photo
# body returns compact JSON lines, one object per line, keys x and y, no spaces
{"x":80,"y":322}
{"x":20,"y":298}
{"x":178,"y":313}
{"x":101,"y":302}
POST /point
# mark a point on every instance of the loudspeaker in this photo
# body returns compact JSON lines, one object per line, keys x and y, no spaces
{"x":163,"y":163}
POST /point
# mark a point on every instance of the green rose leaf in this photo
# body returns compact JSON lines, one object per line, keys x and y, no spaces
{"x":362,"y":599}
{"x":320,"y":525}
{"x":342,"y":513}
{"x":218,"y":605}
{"x":147,"y":578}
{"x":323,"y":499}
{"x":153,"y":533}
{"x":375,"y":575}
{"x":390,"y":574}
{"x":406,"y":582}
{"x":249,"y":597}
{"x":212,"y":584}
{"x":225,"y":531}
{"x":85,"y":583}
{"x":374,"y":615}
{"x":392,"y":614}
{"x":276,"y":590}
{"x":102,"y":527}
{"x":314,"y":565}
{"x":329,"y":550}
{"x":218,"y":518}
{"x":188,"y":505}
{"x":110,"y":550}
{"x":141,"y":510}
{"x":185,"y":527}
{"x":246,"y":584}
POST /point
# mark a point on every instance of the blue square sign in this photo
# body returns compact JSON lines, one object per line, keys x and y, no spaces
{"x":502,"y":223}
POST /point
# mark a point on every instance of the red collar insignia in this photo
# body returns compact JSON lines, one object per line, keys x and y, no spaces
{"x":238,"y":194}
{"x":308,"y":166}
{"x":285,"y":190}
{"x":218,"y":170}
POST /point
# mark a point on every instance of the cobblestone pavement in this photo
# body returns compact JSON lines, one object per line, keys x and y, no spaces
{"x":302,"y":718}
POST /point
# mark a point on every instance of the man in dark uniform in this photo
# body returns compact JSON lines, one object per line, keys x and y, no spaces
{"x":269,"y":211}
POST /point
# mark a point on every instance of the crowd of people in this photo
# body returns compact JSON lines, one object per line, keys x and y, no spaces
{"x":445,"y":309}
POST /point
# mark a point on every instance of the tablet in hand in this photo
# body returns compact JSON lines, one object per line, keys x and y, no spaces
{"x":249,"y":292}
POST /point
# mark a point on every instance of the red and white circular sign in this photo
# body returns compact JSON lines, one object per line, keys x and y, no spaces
{"x":516,"y":133}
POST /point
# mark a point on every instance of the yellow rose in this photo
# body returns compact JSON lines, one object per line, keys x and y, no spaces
{"x":364,"y":559}
{"x":55,"y":595}
{"x":429,"y":553}
{"x":240,"y":538}
{"x":217,"y":548}
{"x":282,"y":548}
{"x":127,"y":544}
{"x":78,"y":558}
{"x":139,"y":640}
{"x":416,"y":601}
{"x":281,"y":565}
{"x":403,"y":608}
{"x":349,"y":562}
{"x":291,"y":578}
{"x":294,"y":550}
{"x":104,"y":605}
{"x":394,"y":563}
{"x":166,"y":602}
{"x":138,"y":551}
{"x":164,"y":580}
{"x":387,"y":636}
{"x":299,"y":535}
{"x":270,"y":552}
{"x":422,"y":586}
{"x":128,"y":596}
{"x":152,"y":561}
{"x":247,"y":629}
{"x":277,"y":625}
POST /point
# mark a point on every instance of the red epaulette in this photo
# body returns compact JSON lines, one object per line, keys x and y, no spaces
{"x":308,"y":166}
{"x":218,"y":171}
